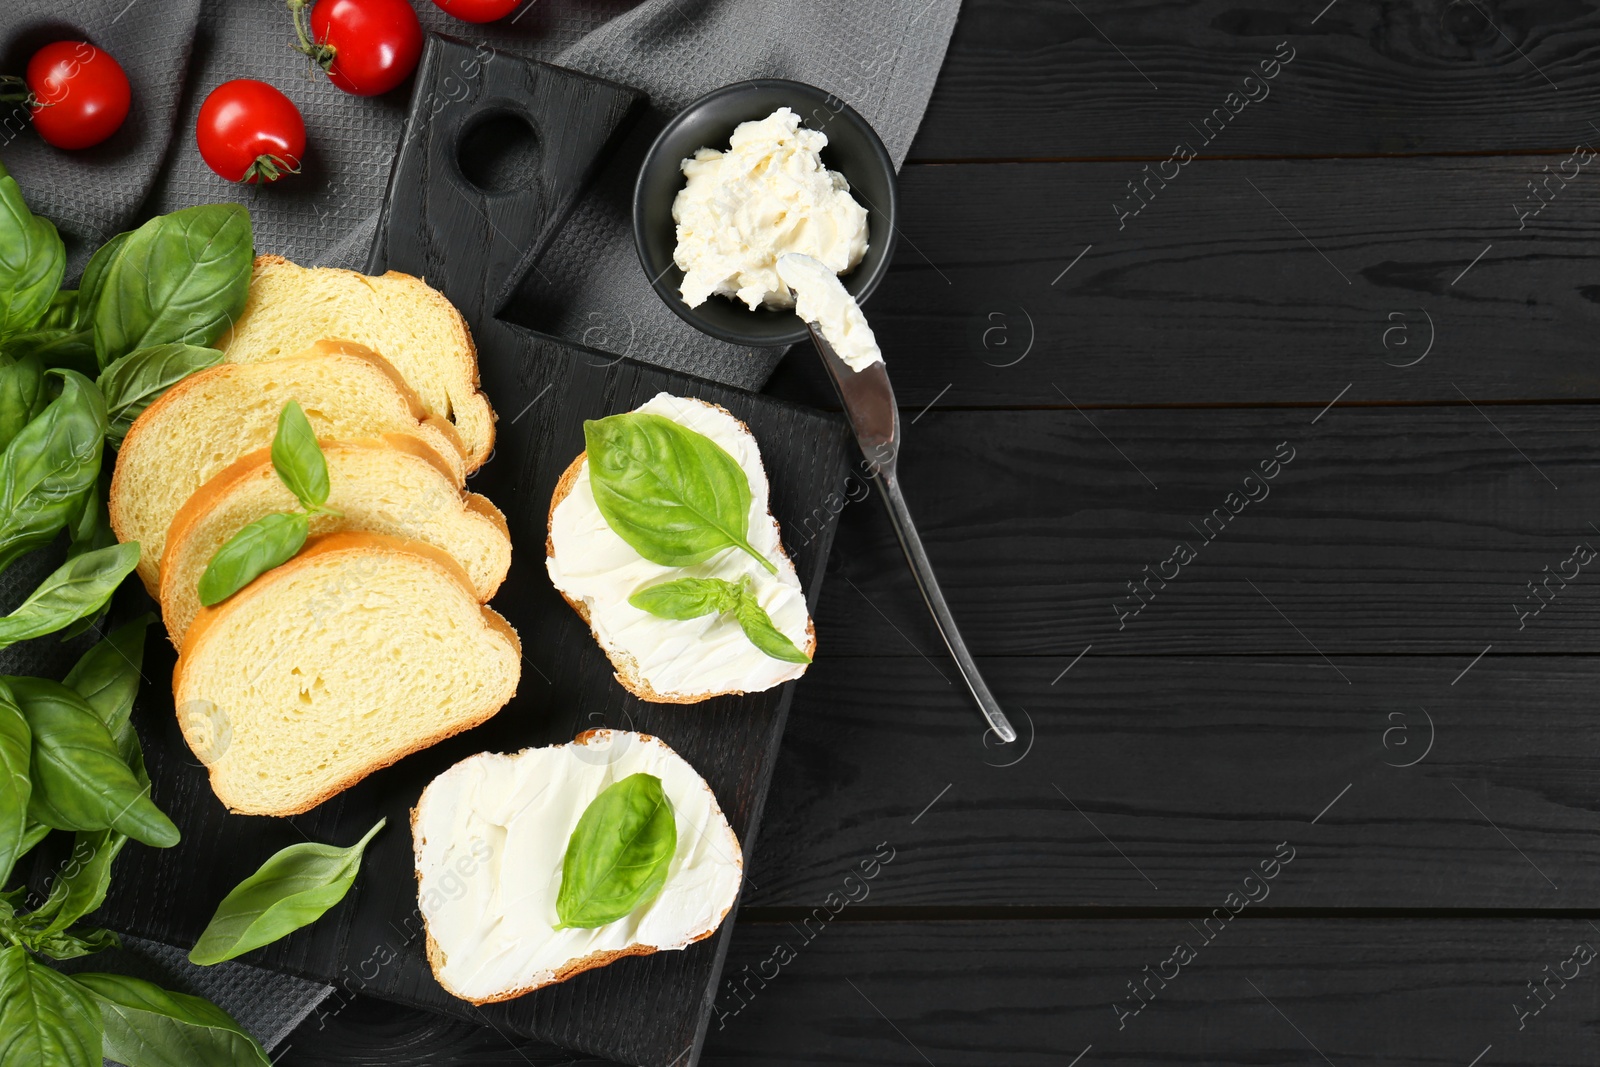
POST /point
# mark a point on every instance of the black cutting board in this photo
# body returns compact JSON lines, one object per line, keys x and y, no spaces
{"x":470,"y":115}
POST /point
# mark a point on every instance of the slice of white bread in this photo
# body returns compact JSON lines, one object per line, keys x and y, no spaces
{"x":207,"y":421}
{"x":360,"y":650}
{"x":397,"y":486}
{"x":400,"y":317}
{"x":667,"y":661}
{"x":490,"y":834}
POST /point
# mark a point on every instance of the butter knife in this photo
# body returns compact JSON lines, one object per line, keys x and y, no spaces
{"x":868,"y":401}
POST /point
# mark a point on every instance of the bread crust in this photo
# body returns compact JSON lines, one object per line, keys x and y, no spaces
{"x":594,"y":960}
{"x":344,"y":541}
{"x":627,"y":669}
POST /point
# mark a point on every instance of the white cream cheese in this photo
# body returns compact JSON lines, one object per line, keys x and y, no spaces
{"x":490,"y":834}
{"x":693,"y":657}
{"x":821,"y":299}
{"x":766,"y":195}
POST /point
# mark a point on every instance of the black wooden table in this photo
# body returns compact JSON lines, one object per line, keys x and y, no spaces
{"x":1264,"y":483}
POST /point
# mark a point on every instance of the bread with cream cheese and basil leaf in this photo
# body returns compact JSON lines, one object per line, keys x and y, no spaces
{"x":540,"y":865}
{"x":662,"y":540}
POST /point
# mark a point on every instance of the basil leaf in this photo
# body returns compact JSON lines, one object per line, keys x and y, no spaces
{"x":16,"y":744}
{"x":757,"y":626}
{"x":65,"y":347}
{"x":22,"y":396}
{"x":46,"y":1019}
{"x":179,"y":277}
{"x":690,"y":598}
{"x":672,"y":494}
{"x":93,"y":281}
{"x":80,"y":781}
{"x":292,"y":889}
{"x":298,"y":458}
{"x":81,"y":943}
{"x":36,"y":832}
{"x":79,"y":587}
{"x":80,"y":885}
{"x":47,"y":467}
{"x":617,"y":857}
{"x":108,"y":676}
{"x":61,"y":312}
{"x":32,"y":260}
{"x":266,"y":543}
{"x":138,"y":379}
{"x":147,"y":1026}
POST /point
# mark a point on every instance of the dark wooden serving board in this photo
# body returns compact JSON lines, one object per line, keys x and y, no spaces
{"x":472,"y":243}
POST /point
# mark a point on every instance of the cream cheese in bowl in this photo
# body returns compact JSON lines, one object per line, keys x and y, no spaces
{"x":766,"y":197}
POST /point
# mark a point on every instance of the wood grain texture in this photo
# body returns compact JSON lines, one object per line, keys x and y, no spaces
{"x":1143,"y":783}
{"x":1035,"y":78}
{"x":1262,"y":991}
{"x":1393,"y":529}
{"x":1210,"y":295}
{"x":649,"y":1010}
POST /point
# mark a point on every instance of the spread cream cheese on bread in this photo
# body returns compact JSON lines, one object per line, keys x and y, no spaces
{"x":666,"y":660}
{"x":821,"y":299}
{"x":767,"y":194}
{"x":490,"y":834}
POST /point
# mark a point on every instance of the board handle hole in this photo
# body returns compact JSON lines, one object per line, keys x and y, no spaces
{"x":498,"y":152}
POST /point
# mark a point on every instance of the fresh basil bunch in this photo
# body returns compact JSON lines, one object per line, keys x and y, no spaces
{"x":76,"y":368}
{"x":69,"y":759}
{"x":619,"y":854}
{"x":692,"y":598}
{"x":273,"y":540}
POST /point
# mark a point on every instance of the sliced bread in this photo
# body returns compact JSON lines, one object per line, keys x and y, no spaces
{"x":210,"y":419}
{"x":360,"y":650}
{"x":490,"y":834}
{"x":677,"y":661}
{"x":397,"y":486}
{"x":400,"y":317}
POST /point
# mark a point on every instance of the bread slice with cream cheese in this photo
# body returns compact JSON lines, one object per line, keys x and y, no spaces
{"x":207,"y":421}
{"x":397,"y":486}
{"x":671,"y":661}
{"x":360,"y":650}
{"x":490,"y":834}
{"x":402,"y":318}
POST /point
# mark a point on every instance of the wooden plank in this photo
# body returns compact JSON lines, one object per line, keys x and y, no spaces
{"x":1049,"y":993}
{"x":1032,"y":78}
{"x":1159,"y":783}
{"x":1393,"y":529}
{"x":1210,"y":295}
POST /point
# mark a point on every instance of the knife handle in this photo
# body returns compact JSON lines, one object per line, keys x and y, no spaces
{"x":922,"y":570}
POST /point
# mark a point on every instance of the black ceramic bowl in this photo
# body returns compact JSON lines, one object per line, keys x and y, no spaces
{"x":854,"y":150}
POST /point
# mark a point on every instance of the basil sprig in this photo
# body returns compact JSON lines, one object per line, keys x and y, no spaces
{"x":49,"y":464}
{"x":692,"y":598}
{"x":619,"y":853}
{"x":273,"y":540}
{"x":292,"y":889}
{"x":674,"y":495}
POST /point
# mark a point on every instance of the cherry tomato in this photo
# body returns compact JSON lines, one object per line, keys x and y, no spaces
{"x":478,"y":10}
{"x":366,"y":46}
{"x":80,"y":94}
{"x":250,"y":132}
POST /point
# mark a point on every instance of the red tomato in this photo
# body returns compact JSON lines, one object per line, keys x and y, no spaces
{"x":478,"y":10}
{"x":250,"y":132}
{"x":366,"y":46}
{"x":80,"y":94}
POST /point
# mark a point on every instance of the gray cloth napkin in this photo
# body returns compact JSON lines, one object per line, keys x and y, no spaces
{"x":880,"y":56}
